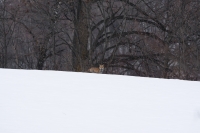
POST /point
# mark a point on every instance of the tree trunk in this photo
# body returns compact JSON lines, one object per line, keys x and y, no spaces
{"x":80,"y":40}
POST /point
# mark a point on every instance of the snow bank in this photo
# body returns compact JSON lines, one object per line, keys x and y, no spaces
{"x":34,"y":101}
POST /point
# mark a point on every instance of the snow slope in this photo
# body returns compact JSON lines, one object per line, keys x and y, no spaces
{"x":34,"y":101}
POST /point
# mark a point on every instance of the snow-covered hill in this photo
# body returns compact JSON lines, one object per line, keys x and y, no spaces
{"x":34,"y":101}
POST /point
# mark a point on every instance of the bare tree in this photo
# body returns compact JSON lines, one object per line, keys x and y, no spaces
{"x":134,"y":37}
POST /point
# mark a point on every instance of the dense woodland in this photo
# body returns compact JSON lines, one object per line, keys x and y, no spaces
{"x":151,"y":38}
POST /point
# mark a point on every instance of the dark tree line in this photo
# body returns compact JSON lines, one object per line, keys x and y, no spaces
{"x":153,"y":38}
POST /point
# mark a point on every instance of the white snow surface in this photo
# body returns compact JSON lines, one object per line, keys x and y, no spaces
{"x":33,"y":101}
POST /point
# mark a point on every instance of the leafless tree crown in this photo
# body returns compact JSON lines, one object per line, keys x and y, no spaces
{"x":153,"y":38}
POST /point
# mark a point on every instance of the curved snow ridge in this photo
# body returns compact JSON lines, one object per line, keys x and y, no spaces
{"x":67,"y":102}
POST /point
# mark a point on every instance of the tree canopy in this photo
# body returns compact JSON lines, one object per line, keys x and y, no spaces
{"x":153,"y":38}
